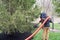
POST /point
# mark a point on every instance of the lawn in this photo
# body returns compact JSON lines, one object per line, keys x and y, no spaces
{"x":52,"y":35}
{"x":56,"y":26}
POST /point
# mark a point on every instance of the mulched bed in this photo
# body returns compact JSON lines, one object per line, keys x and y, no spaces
{"x":14,"y":36}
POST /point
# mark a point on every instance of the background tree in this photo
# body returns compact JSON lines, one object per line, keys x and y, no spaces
{"x":17,"y":14}
{"x":57,"y":6}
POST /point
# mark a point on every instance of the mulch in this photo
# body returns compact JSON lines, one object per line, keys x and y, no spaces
{"x":14,"y":36}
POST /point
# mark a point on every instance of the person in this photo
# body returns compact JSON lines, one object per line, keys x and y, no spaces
{"x":46,"y":26}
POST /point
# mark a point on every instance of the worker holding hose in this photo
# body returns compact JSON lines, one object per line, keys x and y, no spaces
{"x":46,"y":26}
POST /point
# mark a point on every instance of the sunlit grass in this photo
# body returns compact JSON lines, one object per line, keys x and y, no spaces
{"x":56,"y":26}
{"x":52,"y":35}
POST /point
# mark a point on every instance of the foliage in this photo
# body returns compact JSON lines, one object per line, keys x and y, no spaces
{"x":17,"y":14}
{"x":57,"y":5}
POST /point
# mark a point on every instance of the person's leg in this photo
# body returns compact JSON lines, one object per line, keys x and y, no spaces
{"x":47,"y":34}
{"x":44,"y":33}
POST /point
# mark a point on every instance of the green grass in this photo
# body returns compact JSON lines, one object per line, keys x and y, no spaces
{"x":37,"y":36}
{"x":56,"y":26}
{"x":52,"y":35}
